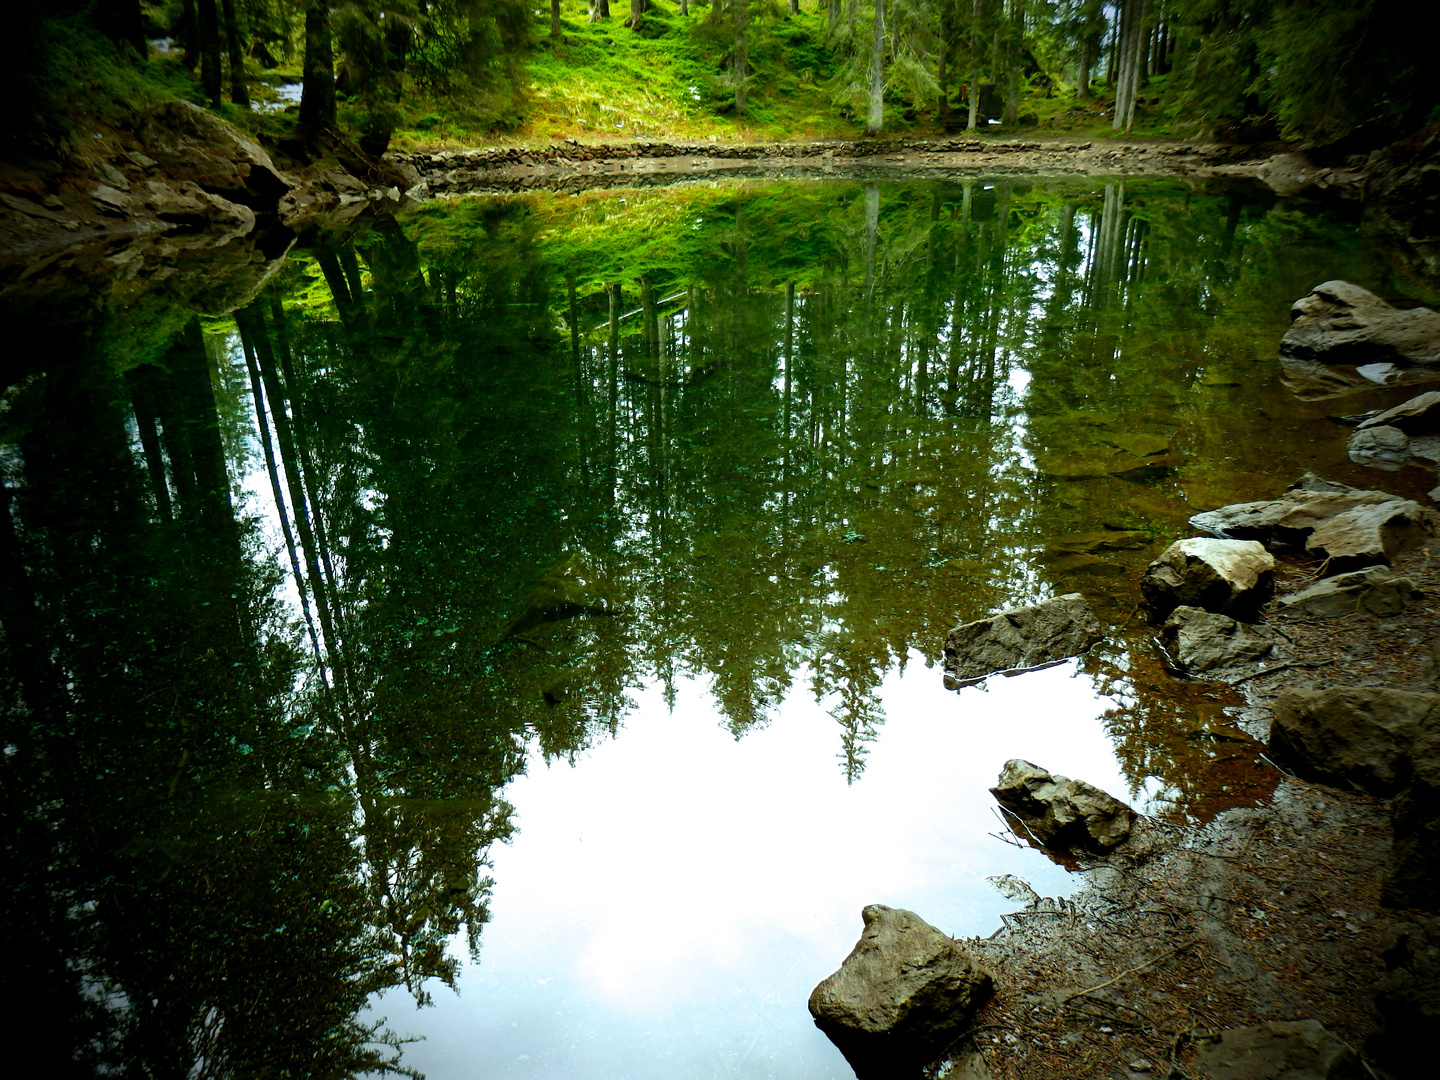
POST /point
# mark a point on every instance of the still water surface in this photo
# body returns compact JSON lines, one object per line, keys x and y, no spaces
{"x":518,"y":624}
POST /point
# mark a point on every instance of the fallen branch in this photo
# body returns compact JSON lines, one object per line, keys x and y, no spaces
{"x":1130,"y":971}
{"x":1281,"y":667}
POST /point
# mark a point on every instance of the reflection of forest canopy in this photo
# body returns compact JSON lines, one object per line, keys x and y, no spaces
{"x":517,"y":457}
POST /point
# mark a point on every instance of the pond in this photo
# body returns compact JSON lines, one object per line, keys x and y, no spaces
{"x":508,"y":644}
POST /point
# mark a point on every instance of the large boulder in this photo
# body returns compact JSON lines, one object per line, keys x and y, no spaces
{"x":1061,"y":813}
{"x":1407,"y":997}
{"x":904,"y":992}
{"x":1418,"y":416}
{"x":1371,"y":591}
{"x":1280,"y":1050}
{"x":1200,"y":640}
{"x":1343,"y":337}
{"x":1368,"y":535}
{"x":1352,"y":736}
{"x":190,"y":143}
{"x":1382,"y":447}
{"x":1020,"y":639}
{"x":1228,"y":576}
{"x":1413,"y":877}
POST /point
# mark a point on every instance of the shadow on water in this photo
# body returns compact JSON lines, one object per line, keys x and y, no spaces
{"x":290,"y":593}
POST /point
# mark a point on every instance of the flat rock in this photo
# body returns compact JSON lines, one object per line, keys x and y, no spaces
{"x":1340,"y":329}
{"x":1371,"y":591}
{"x":1367,"y":535}
{"x":1408,"y":998}
{"x":1020,"y":639}
{"x":1228,"y":576}
{"x":1280,"y":1050}
{"x":1201,"y":640}
{"x":904,"y":992}
{"x":1352,"y":736}
{"x":190,"y":143}
{"x":1418,"y":416}
{"x":1062,"y":813}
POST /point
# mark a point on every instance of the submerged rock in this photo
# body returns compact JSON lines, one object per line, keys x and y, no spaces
{"x":1371,"y":591}
{"x":1343,"y":337}
{"x":1352,"y":736}
{"x":1407,"y":997}
{"x":1062,"y":813}
{"x":1227,"y":576}
{"x":1203,"y":640}
{"x":904,"y":992}
{"x":1020,"y":639}
{"x":1280,"y":1050}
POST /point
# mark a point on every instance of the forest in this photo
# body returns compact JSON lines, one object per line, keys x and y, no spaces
{"x":415,"y":72}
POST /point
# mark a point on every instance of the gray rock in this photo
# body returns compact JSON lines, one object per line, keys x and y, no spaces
{"x":1349,"y":526}
{"x":1352,"y":736}
{"x":1228,"y":576}
{"x":108,"y":174}
{"x":904,"y":992}
{"x":1062,"y":813}
{"x":1413,"y":877}
{"x":1280,"y":1050}
{"x":1202,"y":640}
{"x":110,"y":201}
{"x":1289,"y":174}
{"x":1418,"y":416}
{"x":1368,"y":535}
{"x":1340,"y":329}
{"x":1407,"y":997}
{"x":189,"y":143}
{"x":1020,"y":639}
{"x":1382,"y":447}
{"x":1372,"y":591}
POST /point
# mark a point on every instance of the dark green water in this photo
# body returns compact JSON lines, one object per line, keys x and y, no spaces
{"x":523,"y":475}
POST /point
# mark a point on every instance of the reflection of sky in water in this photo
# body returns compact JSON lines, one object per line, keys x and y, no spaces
{"x":286,"y":94}
{"x":669,"y":902}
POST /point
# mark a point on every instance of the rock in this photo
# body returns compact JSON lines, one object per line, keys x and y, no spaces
{"x":110,"y":201}
{"x":1368,"y":535}
{"x":1292,"y":520}
{"x":1280,"y":1050}
{"x":1202,"y":640}
{"x":1418,"y":416}
{"x":904,"y":992}
{"x":1382,"y":447}
{"x":1062,"y":813}
{"x":1352,"y":736}
{"x":1289,"y":174}
{"x":1020,"y":639}
{"x":189,"y":143}
{"x":1413,"y":877}
{"x":108,"y":174}
{"x":1340,"y":330}
{"x":1407,"y":997}
{"x":1372,"y":591}
{"x":1227,"y":576}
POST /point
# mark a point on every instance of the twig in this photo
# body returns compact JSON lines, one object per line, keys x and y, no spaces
{"x":1130,"y":971}
{"x":1281,"y":667}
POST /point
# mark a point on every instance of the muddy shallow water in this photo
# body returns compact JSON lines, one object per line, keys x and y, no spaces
{"x":527,"y":607}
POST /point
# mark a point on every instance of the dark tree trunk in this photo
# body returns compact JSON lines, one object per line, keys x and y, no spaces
{"x":942,"y":101}
{"x":210,"y":75}
{"x":599,"y":9}
{"x":876,"y":118}
{"x":1014,"y":49}
{"x":1082,"y":73}
{"x":189,"y":34}
{"x":794,"y":7}
{"x":317,"y":95}
{"x":122,"y":22}
{"x":740,"y":57}
{"x":239,"y":94}
{"x":555,"y":18}
{"x":637,"y":10}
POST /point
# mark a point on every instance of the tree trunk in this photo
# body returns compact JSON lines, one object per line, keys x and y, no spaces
{"x":317,"y":94}
{"x":599,"y":9}
{"x":1014,"y":48}
{"x":1082,"y":73}
{"x":740,"y":57}
{"x":794,"y":7}
{"x":942,"y":100}
{"x":239,"y":93}
{"x":876,"y":119}
{"x":210,"y":76}
{"x":976,"y":11}
{"x":189,"y":34}
{"x":555,"y":18}
{"x":1110,"y":74}
{"x":637,"y":9}
{"x":684,"y":7}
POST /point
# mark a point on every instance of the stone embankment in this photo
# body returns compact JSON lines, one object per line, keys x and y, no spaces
{"x":576,"y":166}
